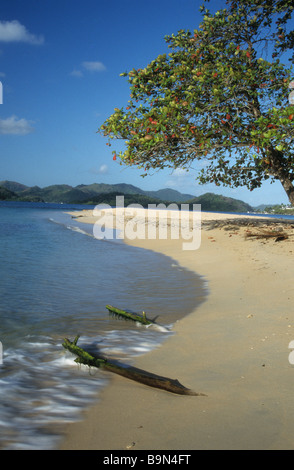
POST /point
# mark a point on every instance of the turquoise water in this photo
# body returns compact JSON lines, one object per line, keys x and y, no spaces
{"x":55,"y":281}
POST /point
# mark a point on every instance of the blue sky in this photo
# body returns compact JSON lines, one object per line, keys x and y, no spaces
{"x":59,"y":65}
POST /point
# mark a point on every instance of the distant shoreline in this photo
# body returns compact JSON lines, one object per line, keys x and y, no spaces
{"x":98,"y":193}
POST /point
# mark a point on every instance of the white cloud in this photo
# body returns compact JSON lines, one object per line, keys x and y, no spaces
{"x":178,"y":178}
{"x":76,"y":73}
{"x":14,"y":31}
{"x":13,"y":125}
{"x":102,"y":170}
{"x":94,"y":66}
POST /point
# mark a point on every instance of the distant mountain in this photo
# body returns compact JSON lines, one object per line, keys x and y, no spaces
{"x":33,"y":194}
{"x":170,"y":195}
{"x":86,"y":193}
{"x":262,"y":207}
{"x":98,"y":193}
{"x":110,"y":199}
{"x":215,"y":202}
{"x":103,"y":188}
{"x":5,"y":194}
{"x":13,"y":186}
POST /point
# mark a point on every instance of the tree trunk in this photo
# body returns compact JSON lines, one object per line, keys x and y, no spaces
{"x":289,"y":189}
{"x":139,"y":375}
{"x":278,"y":170}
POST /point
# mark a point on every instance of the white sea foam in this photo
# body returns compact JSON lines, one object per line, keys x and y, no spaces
{"x":57,"y":281}
{"x":50,"y":389}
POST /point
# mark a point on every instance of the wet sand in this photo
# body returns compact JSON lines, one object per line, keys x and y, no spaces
{"x":234,"y":348}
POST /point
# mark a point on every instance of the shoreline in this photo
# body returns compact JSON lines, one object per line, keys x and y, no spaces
{"x":233,"y":348}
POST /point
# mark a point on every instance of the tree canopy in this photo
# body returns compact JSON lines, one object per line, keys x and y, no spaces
{"x":274,"y":17}
{"x":220,"y":96}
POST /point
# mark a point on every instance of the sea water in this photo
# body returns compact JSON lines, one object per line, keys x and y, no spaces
{"x":55,"y":281}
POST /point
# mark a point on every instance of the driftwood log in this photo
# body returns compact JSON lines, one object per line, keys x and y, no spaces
{"x":139,"y":375}
{"x":278,"y":234}
{"x":129,"y":315}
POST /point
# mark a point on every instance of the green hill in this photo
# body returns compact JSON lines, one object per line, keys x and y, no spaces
{"x":98,"y":193}
{"x":6,"y":194}
{"x":170,"y":195}
{"x":110,"y":199}
{"x":217,"y":203}
{"x":102,"y":188}
{"x":13,"y":186}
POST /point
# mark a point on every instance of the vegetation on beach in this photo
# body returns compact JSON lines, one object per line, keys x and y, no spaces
{"x":220,"y":98}
{"x":280,"y":209}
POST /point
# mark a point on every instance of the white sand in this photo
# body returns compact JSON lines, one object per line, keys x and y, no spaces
{"x":233,"y":347}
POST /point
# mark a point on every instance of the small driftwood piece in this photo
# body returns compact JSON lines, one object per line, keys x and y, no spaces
{"x":266,"y":234}
{"x":129,"y":315}
{"x":139,"y":375}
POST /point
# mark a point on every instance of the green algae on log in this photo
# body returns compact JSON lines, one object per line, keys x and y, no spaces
{"x":129,"y":315}
{"x":138,"y":375}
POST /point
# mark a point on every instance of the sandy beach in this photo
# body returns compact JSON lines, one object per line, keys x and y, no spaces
{"x":234,"y":348}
